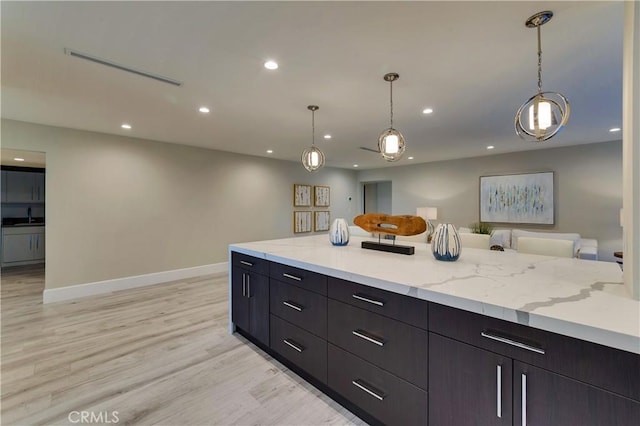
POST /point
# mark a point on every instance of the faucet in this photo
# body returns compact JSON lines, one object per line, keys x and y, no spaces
{"x":29,"y":214}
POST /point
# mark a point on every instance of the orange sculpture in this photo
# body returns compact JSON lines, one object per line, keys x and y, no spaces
{"x":381,"y":223}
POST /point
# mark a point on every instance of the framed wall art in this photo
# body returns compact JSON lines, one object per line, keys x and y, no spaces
{"x":321,"y":221}
{"x":321,"y":196}
{"x":301,"y":195}
{"x":517,"y":198}
{"x":301,"y":222}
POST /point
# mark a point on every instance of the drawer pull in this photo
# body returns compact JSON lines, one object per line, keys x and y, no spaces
{"x":293,"y":345}
{"x":244,"y":262}
{"x":499,"y":393}
{"x":293,"y":306}
{"x":360,"y":385}
{"x":524,"y":399}
{"x":513,"y":343}
{"x":366,"y":299}
{"x":293,"y":277}
{"x":363,"y":335}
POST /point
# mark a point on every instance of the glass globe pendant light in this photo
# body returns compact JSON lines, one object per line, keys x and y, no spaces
{"x":391,"y":141}
{"x":545,"y":113}
{"x":312,"y":157}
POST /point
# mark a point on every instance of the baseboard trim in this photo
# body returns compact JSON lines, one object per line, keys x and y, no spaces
{"x":126,"y":283}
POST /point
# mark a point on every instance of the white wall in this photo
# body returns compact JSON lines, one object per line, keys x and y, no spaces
{"x":119,"y":207}
{"x":588,"y":191}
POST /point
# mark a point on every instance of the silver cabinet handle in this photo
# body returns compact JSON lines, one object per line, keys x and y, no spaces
{"x":364,"y":335}
{"x":293,"y":345}
{"x":366,"y":299}
{"x":37,"y":241}
{"x":293,"y":277}
{"x":249,"y":286}
{"x":244,"y":284}
{"x":513,"y":343}
{"x":360,"y":385}
{"x":30,"y":242}
{"x":244,"y":262}
{"x":293,"y":306}
{"x":499,"y":391}
{"x":524,"y":399}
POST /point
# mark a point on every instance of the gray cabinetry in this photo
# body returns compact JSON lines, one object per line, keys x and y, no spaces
{"x":250,"y":296}
{"x":23,"y":245}
{"x":23,"y":187}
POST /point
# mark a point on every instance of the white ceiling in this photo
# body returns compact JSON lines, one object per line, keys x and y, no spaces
{"x":474,"y":63}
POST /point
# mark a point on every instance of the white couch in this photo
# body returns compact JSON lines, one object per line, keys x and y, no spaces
{"x":583,"y":248}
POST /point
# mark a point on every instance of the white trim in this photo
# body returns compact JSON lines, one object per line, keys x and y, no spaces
{"x":53,"y":295}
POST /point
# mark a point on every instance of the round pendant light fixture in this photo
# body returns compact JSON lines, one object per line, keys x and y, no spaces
{"x":543,"y":115}
{"x":312,"y":157}
{"x":391,"y":142}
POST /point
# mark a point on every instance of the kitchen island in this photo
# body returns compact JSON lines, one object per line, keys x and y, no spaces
{"x":493,"y":335}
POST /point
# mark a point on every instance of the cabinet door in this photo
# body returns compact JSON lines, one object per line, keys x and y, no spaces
{"x":38,"y":187}
{"x":239,"y":300}
{"x":258,"y":294}
{"x":4,"y":186}
{"x":20,"y":188}
{"x":467,"y":385}
{"x":545,"y":398}
{"x":17,"y":248}
{"x":38,"y":246}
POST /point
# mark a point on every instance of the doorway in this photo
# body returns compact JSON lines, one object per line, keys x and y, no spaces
{"x":376,"y":197}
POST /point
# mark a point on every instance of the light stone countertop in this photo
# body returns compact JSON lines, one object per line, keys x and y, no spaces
{"x":584,"y":299}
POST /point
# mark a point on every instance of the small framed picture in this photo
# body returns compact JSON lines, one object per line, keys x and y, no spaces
{"x":321,"y":196}
{"x":301,"y":195}
{"x":301,"y":222}
{"x":321,"y":221}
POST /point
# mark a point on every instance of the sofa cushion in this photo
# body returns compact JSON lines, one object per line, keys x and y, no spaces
{"x":501,"y":237}
{"x":516,"y":233}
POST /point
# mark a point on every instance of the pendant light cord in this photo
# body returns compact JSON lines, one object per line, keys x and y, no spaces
{"x":391,"y":101}
{"x":313,"y":128}
{"x":539,"y":62}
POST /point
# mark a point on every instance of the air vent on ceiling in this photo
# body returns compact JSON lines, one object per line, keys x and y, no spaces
{"x":108,"y":63}
{"x":364,"y":148}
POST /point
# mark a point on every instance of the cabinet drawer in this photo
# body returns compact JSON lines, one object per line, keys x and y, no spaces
{"x":299,"y":277}
{"x":598,"y":365}
{"x":403,"y":308}
{"x":383,"y":395}
{"x":302,"y":348}
{"x":300,"y":307}
{"x":392,"y":345}
{"x":259,"y":266}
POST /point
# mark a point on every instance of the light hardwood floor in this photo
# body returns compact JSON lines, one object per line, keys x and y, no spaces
{"x":156,"y":355}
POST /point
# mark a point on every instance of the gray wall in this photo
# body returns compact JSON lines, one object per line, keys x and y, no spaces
{"x":119,"y":207}
{"x":588,"y":188}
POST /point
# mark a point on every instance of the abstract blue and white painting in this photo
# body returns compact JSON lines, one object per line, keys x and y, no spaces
{"x":521,"y":198}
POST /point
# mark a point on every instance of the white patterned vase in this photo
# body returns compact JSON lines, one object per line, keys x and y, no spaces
{"x":339,"y":232}
{"x":445,"y":243}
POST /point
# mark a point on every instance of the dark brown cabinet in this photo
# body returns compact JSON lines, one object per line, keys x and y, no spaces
{"x":250,"y":299}
{"x":468,"y":385}
{"x":544,"y":398}
{"x":488,"y":371}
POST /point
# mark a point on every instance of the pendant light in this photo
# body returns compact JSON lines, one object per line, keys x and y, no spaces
{"x":542,"y":116}
{"x":391,"y":141}
{"x":312,"y":157}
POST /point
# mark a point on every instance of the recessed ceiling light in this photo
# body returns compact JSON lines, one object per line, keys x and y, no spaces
{"x":327,"y":136}
{"x":409,"y":158}
{"x":271,"y":65}
{"x":355,"y":165}
{"x":18,"y":159}
{"x":204,"y":109}
{"x":269,"y":151}
{"x":614,"y":129}
{"x":490,"y":147}
{"x":427,"y":111}
{"x":126,"y":126}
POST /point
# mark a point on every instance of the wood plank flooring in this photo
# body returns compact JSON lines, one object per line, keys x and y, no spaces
{"x":158,"y":355}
